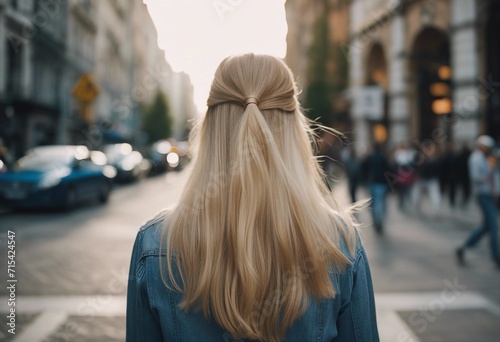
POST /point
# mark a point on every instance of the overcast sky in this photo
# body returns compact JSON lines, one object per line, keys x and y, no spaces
{"x":197,"y":34}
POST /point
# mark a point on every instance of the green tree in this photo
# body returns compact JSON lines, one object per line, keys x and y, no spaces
{"x":317,"y":94}
{"x":340,"y":79}
{"x":328,"y":73}
{"x":157,"y":122}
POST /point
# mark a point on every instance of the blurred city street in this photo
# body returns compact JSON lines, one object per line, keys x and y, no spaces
{"x":81,"y":258}
{"x":99,"y":100}
{"x":72,"y":270}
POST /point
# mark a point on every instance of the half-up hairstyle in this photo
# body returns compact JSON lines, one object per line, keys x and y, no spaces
{"x":256,"y":231}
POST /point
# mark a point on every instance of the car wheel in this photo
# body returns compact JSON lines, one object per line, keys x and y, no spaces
{"x":70,"y":199}
{"x":104,"y":192}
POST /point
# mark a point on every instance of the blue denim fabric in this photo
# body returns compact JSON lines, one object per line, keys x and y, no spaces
{"x":489,"y":225}
{"x":378,"y":192}
{"x":153,"y":312}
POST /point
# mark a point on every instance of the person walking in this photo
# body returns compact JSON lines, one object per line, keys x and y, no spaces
{"x":449,"y":175}
{"x":377,"y":166}
{"x":256,"y":247}
{"x":403,"y":167}
{"x":463,"y":179}
{"x":496,"y":176}
{"x":481,"y":174}
{"x":353,"y":171}
{"x":428,"y":181}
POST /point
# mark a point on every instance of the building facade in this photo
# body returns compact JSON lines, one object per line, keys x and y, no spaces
{"x":77,"y":71}
{"x":301,"y":15}
{"x":182,"y":108}
{"x":80,"y":60}
{"x":317,"y":32}
{"x":421,"y":70}
{"x":152,"y":73}
{"x":32,"y":54}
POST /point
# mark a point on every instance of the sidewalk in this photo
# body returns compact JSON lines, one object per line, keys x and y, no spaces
{"x":469,"y":214}
{"x":421,"y":293}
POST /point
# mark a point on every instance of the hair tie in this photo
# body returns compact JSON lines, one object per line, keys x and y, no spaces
{"x":249,"y":100}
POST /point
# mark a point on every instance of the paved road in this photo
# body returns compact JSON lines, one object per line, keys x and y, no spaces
{"x":84,"y":253}
{"x":72,"y":270}
{"x":421,"y":291}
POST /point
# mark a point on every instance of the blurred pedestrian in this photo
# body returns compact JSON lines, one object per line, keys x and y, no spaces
{"x":353,"y":171}
{"x":377,"y":166}
{"x":256,"y":248}
{"x":449,"y":176}
{"x":463,"y":177}
{"x":482,"y":179}
{"x":428,"y":180}
{"x":495,"y":156}
{"x":403,"y":168}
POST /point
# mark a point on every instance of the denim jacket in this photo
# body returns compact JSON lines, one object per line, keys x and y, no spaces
{"x":153,"y":312}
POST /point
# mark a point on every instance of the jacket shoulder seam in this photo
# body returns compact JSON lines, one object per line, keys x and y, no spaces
{"x":152,"y":222}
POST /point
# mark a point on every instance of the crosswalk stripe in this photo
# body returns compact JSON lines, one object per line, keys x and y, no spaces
{"x":56,"y":309}
{"x":426,"y":300}
{"x":43,"y":326}
{"x":392,"y":328}
{"x":95,"y":305}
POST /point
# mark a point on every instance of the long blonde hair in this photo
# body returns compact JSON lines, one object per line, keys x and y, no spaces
{"x":256,"y":230}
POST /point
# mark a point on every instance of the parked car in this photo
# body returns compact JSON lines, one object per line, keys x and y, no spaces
{"x":184,"y":154}
{"x":130,"y":164}
{"x":158,"y":157}
{"x":55,"y":176}
{"x":168,"y":155}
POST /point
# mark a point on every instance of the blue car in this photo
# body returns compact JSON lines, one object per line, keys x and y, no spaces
{"x":56,"y":176}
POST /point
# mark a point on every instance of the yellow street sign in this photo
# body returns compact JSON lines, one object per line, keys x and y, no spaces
{"x":85,"y":89}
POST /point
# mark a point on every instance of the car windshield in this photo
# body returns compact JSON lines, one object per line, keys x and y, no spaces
{"x":45,"y":159}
